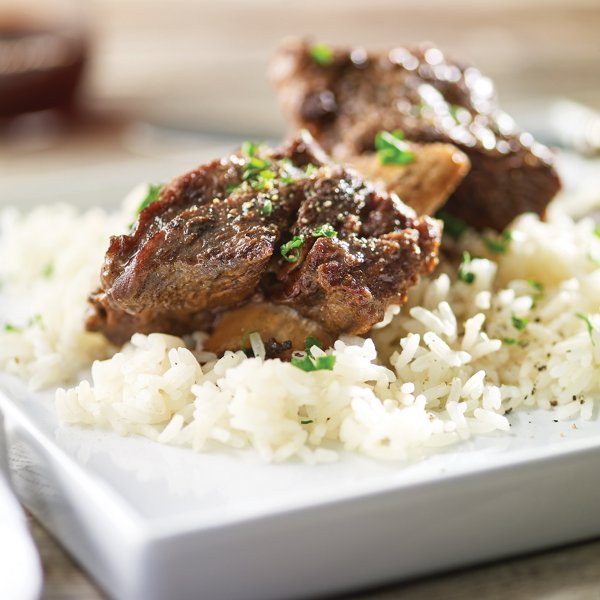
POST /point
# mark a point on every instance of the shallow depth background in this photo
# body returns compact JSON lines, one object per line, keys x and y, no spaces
{"x":204,"y":63}
{"x":159,"y":69}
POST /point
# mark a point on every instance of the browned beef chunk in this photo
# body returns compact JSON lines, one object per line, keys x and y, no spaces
{"x":118,"y":326}
{"x":281,"y":228}
{"x":377,"y":251}
{"x":345,"y":98}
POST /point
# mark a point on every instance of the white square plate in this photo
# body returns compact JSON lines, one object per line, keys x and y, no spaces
{"x":152,"y":522}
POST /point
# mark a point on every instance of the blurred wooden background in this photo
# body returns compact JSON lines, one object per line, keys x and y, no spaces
{"x":202,"y":64}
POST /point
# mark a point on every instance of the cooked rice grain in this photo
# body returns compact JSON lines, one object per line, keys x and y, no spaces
{"x":447,"y":366}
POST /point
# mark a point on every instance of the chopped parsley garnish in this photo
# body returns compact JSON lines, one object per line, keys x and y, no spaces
{"x":310,"y":169}
{"x":499,"y":246}
{"x":253,"y":167}
{"x":306,"y":422}
{"x":266,"y":209}
{"x":11,"y":328}
{"x":263,"y":180}
{"x":392,"y":149}
{"x":286,"y":171}
{"x":326,"y":230}
{"x":453,"y":226}
{"x":597,"y":232}
{"x":257,"y":172}
{"x":539,"y":290}
{"x":230,"y":188}
{"x":453,"y":110}
{"x":37,"y":318}
{"x":152,"y":196}
{"x":291,"y":250}
{"x":589,"y":325}
{"x":322,"y":54}
{"x":463,"y":273}
{"x":536,"y":285}
{"x":312,"y":341}
{"x":310,"y":363}
{"x":48,"y":270}
{"x":250,"y":148}
{"x":509,"y":341}
{"x":519,"y":322}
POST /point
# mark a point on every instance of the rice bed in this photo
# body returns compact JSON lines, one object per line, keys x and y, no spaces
{"x":451,"y":364}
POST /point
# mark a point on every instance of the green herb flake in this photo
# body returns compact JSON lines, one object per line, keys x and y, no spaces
{"x":453,"y":226}
{"x":325,"y":363}
{"x":463,"y":274}
{"x":9,"y":327}
{"x":36,"y":319}
{"x":309,"y":363}
{"x":250,"y":148}
{"x":519,"y":322}
{"x":306,"y":422}
{"x":230,"y":188}
{"x":291,"y":250}
{"x":325,"y":230}
{"x":152,"y":195}
{"x":254,"y":166}
{"x":322,"y":54}
{"x":303,"y":362}
{"x":590,"y":327}
{"x":310,"y":169}
{"x":266,"y":209}
{"x":48,"y":271}
{"x":312,"y":341}
{"x":263,"y":179}
{"x":597,"y":232}
{"x":453,"y":110}
{"x":392,"y":149}
{"x":498,"y":246}
{"x":538,"y":293}
{"x":257,"y":172}
{"x":494,"y":246}
{"x":536,"y":285}
{"x":509,"y":341}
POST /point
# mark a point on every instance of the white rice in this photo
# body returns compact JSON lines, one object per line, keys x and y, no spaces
{"x":49,"y":263}
{"x":449,"y":365}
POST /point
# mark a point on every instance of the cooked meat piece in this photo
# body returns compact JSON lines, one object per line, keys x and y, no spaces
{"x":118,"y":326}
{"x":275,"y":323}
{"x":346,"y":98}
{"x":426,"y":182}
{"x":372,"y":252}
{"x":286,"y":227}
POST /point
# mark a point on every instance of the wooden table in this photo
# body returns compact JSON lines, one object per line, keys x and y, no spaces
{"x":571,"y":573}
